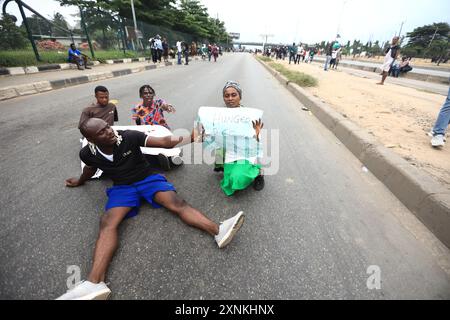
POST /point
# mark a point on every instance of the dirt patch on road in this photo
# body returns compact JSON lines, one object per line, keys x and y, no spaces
{"x":398,"y":116}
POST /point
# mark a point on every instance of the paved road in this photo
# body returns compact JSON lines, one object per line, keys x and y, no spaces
{"x":311,"y":233}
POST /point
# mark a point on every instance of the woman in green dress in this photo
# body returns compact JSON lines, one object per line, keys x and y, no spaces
{"x":238,"y":174}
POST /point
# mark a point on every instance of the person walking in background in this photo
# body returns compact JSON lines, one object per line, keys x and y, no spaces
{"x":442,"y":122}
{"x":165,"y":46}
{"x":391,"y":55}
{"x":215,"y":52}
{"x":292,"y":53}
{"x":299,"y":53}
{"x":179,"y":51}
{"x":153,"y":49}
{"x":329,"y":52}
{"x":312,"y":53}
{"x":209,"y":52}
{"x":186,"y":52}
{"x":159,"y":47}
{"x":193,"y":49}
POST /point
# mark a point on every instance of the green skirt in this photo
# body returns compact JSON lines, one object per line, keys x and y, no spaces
{"x":238,"y":175}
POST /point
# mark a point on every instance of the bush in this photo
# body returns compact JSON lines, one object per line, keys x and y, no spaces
{"x":11,"y":36}
{"x":24,"y":58}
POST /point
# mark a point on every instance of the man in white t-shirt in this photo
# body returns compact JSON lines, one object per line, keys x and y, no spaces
{"x":300,"y":50}
{"x":179,"y":51}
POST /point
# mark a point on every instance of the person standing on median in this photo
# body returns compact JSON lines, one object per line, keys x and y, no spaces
{"x":293,"y":53}
{"x":329,"y":52}
{"x":179,"y":51}
{"x":392,"y":54}
{"x":118,"y":154}
{"x":441,"y":125}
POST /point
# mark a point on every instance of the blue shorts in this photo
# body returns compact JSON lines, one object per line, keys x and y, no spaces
{"x":130,"y":195}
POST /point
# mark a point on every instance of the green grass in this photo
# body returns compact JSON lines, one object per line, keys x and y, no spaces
{"x":25,"y":58}
{"x":264,"y":58}
{"x":300,"y":78}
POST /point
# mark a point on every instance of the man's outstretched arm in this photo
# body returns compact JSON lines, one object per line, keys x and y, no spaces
{"x":88,"y":172}
{"x":173,"y":141}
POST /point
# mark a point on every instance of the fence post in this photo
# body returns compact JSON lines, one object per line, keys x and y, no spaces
{"x":86,"y":31}
{"x":30,"y":35}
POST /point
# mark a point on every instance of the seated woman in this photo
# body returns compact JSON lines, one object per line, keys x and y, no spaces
{"x":150,"y":111}
{"x":405,"y":65}
{"x":238,"y":174}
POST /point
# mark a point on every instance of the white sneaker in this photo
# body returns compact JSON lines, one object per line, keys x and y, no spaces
{"x":87,"y":291}
{"x":438,"y":141}
{"x":228,"y":229}
{"x":431,"y":134}
{"x":177,"y":160}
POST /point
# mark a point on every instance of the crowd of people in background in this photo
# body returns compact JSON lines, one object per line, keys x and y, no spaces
{"x":160,"y":49}
{"x":296,"y":53}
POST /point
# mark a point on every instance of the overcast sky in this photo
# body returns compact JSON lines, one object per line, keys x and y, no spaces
{"x":306,"y":21}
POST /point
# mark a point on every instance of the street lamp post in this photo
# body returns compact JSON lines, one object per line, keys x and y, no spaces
{"x":265,"y":36}
{"x":340,"y":19}
{"x":135,"y":24}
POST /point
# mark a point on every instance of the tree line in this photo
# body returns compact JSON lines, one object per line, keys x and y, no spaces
{"x":105,"y":18}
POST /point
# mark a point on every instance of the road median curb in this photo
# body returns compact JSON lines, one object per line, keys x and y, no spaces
{"x":425,"y":197}
{"x":11,"y":92}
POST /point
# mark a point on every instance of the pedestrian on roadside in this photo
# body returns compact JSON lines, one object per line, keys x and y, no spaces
{"x":312,"y":53}
{"x":215,"y":52}
{"x":179,"y":51}
{"x":334,"y":55}
{"x":292,"y":53}
{"x":165,"y":46}
{"x":153,"y":50}
{"x":159,"y":47}
{"x":299,"y":53}
{"x":329,"y":52}
{"x":209,"y":52}
{"x":392,"y":54}
{"x":118,"y":154}
{"x":186,"y":52}
{"x":441,"y":125}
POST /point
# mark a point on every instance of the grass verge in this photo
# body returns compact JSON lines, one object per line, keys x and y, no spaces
{"x":25,"y":58}
{"x":300,"y":78}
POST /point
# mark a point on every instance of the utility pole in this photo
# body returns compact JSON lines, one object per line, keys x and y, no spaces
{"x":265,"y":36}
{"x":401,"y":27}
{"x":429,"y":45}
{"x":340,"y":19}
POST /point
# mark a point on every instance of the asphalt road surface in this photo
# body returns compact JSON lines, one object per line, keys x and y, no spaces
{"x":314,"y":232}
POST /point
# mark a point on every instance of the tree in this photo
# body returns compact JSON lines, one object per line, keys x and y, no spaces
{"x":188,"y":16}
{"x":11,"y":36}
{"x":428,"y":41}
{"x":60,"y":21}
{"x":38,"y":26}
